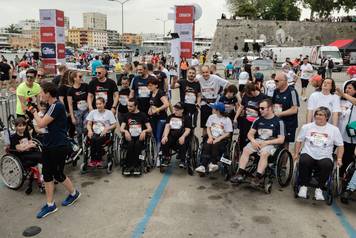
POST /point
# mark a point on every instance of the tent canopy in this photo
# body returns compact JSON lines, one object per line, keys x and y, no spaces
{"x":348,"y":44}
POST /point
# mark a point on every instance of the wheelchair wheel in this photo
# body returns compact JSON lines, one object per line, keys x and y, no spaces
{"x":193,"y":155}
{"x":347,"y":176}
{"x":337,"y":182}
{"x":329,"y":191}
{"x":284,"y":169}
{"x":151,"y":153}
{"x":12,"y":172}
{"x":235,"y":159}
{"x":116,"y":150}
{"x":295,"y":180}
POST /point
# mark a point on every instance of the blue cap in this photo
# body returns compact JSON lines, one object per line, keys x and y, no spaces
{"x":218,"y":106}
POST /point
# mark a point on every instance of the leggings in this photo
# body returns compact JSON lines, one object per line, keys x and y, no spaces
{"x":79,"y":126}
{"x":211,"y":152}
{"x":96,"y":147}
{"x":53,"y":163}
{"x":134,"y":149}
{"x":306,"y":166}
{"x":173,"y":143}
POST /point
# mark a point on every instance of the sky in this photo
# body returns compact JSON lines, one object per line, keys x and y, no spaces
{"x":139,"y":15}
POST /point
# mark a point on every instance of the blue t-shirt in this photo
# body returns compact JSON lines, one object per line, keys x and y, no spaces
{"x":94,"y":65}
{"x":57,"y":129}
{"x":268,"y":129}
{"x":229,"y":67}
{"x":142,"y":93}
{"x":284,"y":101}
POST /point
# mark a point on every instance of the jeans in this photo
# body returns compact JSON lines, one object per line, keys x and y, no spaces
{"x":352,"y":183}
{"x":134,"y":149}
{"x":157,"y":129}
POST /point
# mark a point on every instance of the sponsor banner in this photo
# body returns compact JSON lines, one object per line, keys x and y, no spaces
{"x":184,"y":14}
{"x":61,"y":51}
{"x":48,"y":34}
{"x":60,"y":36}
{"x":47,"y":17}
{"x":49,"y":66}
{"x":186,"y":49}
{"x":185,"y":31}
{"x":48,"y":50}
{"x":59,"y":18}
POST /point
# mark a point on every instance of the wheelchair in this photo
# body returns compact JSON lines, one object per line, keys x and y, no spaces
{"x":345,"y":179}
{"x":332,"y":186}
{"x":108,"y":147}
{"x":14,"y":173}
{"x":148,"y":155}
{"x":191,"y":155}
{"x":279,"y":166}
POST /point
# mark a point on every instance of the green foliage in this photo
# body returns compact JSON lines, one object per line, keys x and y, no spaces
{"x":13,"y":29}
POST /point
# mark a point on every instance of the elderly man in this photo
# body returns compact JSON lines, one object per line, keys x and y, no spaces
{"x":27,"y":90}
{"x":285,"y":104}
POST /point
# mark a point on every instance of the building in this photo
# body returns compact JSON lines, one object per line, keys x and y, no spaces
{"x":66,"y":23}
{"x":81,"y":37}
{"x":98,"y":39}
{"x":28,"y":25}
{"x":94,"y":20}
{"x":25,"y":41}
{"x":131,"y":39}
{"x":113,"y":38}
{"x":78,"y":36}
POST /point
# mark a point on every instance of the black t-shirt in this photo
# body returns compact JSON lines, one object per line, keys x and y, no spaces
{"x":178,"y":124}
{"x":16,"y":139}
{"x":284,"y":101}
{"x":4,"y":71}
{"x":135,"y":122}
{"x":142,"y":94}
{"x":63,"y":92}
{"x":188,"y":92}
{"x":56,"y":79}
{"x":156,"y":101}
{"x":57,"y":129}
{"x":79,"y":97}
{"x":162,"y":77}
{"x":119,"y":77}
{"x":268,"y":129}
{"x":251,"y":104}
{"x":124,"y":97}
{"x":105,"y":90}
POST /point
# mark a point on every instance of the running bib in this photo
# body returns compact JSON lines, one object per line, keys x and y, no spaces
{"x":306,"y":75}
{"x":176,"y":123}
{"x":82,"y":105}
{"x":102,"y":95}
{"x":190,"y":98}
{"x":143,"y":92}
{"x":208,"y":93}
{"x":277,"y":108}
{"x":123,"y":100}
{"x":98,"y":127}
{"x":319,"y":139}
{"x":265,"y":134}
{"x":217,"y":130}
{"x":251,"y":113}
{"x":135,"y":130}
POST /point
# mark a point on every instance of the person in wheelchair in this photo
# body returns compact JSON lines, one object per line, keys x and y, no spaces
{"x":319,"y":138}
{"x":175,"y":134}
{"x":100,"y":123}
{"x":266,"y":133}
{"x":135,"y":127}
{"x":219,"y":129}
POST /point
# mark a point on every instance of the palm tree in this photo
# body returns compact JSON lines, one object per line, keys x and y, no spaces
{"x":13,"y":29}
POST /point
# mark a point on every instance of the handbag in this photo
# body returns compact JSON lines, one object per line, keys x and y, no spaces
{"x":351,"y":126}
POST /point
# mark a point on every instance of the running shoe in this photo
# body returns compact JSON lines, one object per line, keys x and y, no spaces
{"x":319,"y":195}
{"x":71,"y":199}
{"x":46,"y":210}
{"x":303,"y":190}
{"x":213,"y":167}
{"x":200,"y":169}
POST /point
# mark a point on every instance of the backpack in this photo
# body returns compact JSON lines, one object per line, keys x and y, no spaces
{"x":330,"y":64}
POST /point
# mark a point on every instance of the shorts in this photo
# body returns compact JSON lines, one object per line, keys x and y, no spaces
{"x":290,"y":135}
{"x":305,"y":83}
{"x":205,"y":112}
{"x":270,"y":149}
{"x":53,"y":163}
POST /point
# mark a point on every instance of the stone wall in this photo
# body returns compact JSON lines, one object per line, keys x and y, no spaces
{"x":286,"y":33}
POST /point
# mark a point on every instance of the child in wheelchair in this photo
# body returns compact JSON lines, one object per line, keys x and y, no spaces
{"x":100,"y":123}
{"x":135,"y":128}
{"x":219,"y":129}
{"x":176,"y":132}
{"x":22,"y":146}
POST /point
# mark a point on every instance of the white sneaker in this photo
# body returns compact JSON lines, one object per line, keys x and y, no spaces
{"x":319,"y":195}
{"x":213,"y":167}
{"x":200,"y":169}
{"x":303,"y":192}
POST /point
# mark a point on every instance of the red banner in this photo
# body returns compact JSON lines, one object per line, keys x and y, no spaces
{"x":61,"y":51}
{"x":59,"y":18}
{"x":186,"y":50}
{"x":48,"y":34}
{"x":184,"y":14}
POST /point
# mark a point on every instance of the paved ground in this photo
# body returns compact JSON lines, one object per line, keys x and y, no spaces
{"x":174,"y":205}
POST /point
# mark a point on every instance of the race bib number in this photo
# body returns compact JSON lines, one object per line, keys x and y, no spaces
{"x":98,"y":127}
{"x":135,"y":130}
{"x":265,"y":134}
{"x":176,"y":123}
{"x":143,"y":92}
{"x":208,"y":93}
{"x":319,"y":139}
{"x":123,"y":100}
{"x":102,"y":95}
{"x":306,"y":75}
{"x":277,"y":108}
{"x":82,"y":105}
{"x":217,"y":130}
{"x":251,"y":112}
{"x":190,"y":98}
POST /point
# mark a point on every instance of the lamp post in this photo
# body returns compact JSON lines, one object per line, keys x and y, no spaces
{"x":122,"y":18}
{"x":164,"y":25}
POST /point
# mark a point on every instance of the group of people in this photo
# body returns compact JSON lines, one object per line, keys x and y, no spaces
{"x":138,"y":105}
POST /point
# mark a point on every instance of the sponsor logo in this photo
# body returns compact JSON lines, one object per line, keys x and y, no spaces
{"x":47,"y":51}
{"x":185,"y":15}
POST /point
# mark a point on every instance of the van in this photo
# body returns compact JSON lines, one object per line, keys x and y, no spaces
{"x":318,"y":52}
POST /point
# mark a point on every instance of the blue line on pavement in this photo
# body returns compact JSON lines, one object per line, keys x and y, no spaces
{"x":141,"y":226}
{"x":344,"y":222}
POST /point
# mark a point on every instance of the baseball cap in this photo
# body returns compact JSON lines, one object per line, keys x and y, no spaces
{"x":178,"y":106}
{"x":218,"y":106}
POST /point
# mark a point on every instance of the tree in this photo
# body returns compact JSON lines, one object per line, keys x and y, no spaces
{"x":13,"y":29}
{"x":324,"y":8}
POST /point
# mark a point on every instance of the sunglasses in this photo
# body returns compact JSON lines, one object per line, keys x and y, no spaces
{"x":98,"y":73}
{"x":276,"y":81}
{"x":40,"y":75}
{"x":262,"y":108}
{"x":30,"y":76}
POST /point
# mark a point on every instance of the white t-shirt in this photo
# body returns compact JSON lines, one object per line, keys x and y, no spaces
{"x":194,"y":62}
{"x":210,"y":88}
{"x":219,"y":125}
{"x":304,"y":74}
{"x":101,"y":120}
{"x":344,"y":119}
{"x":319,"y":141}
{"x":243,"y":78}
{"x":290,"y":76}
{"x":270,"y":87}
{"x":318,"y":99}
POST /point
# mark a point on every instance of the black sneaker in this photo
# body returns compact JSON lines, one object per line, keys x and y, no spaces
{"x":126,"y":171}
{"x":256,"y":181}
{"x":345,"y":196}
{"x":238,"y":178}
{"x":182,"y":164}
{"x":137,"y":171}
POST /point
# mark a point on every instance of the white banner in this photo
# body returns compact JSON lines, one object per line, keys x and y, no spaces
{"x":47,"y":17}
{"x":185,"y":31}
{"x":175,"y":50}
{"x":60,"y":36}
